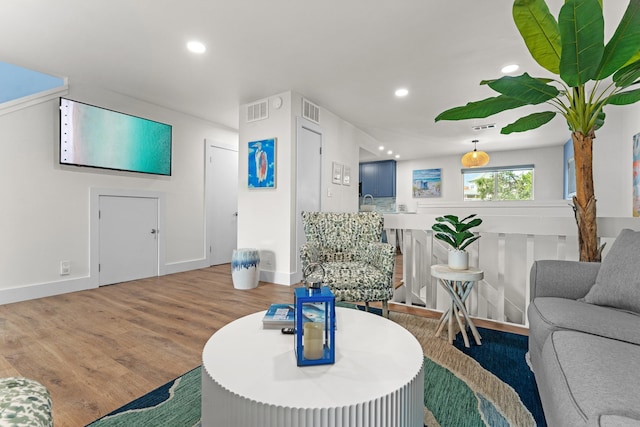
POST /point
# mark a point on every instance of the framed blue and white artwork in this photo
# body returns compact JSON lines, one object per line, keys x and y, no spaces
{"x":262,"y":164}
{"x":427,"y":183}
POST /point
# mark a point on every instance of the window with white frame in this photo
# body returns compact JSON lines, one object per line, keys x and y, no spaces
{"x":498,"y":183}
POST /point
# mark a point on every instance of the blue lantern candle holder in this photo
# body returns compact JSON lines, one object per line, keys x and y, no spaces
{"x":315,"y":321}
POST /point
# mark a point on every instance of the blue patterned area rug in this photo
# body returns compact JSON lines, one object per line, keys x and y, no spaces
{"x":504,"y":354}
{"x":460,"y":390}
{"x":175,"y":404}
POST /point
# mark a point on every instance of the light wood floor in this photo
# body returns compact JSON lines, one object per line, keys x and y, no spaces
{"x":96,"y":350}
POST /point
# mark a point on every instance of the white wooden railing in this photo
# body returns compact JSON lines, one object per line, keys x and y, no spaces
{"x":508,"y":247}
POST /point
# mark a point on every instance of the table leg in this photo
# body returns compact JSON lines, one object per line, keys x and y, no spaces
{"x":466,"y":291}
{"x":463,"y":331}
{"x":459,"y":292}
{"x":452,"y":312}
{"x":465,"y":314}
{"x":463,"y":294}
{"x":445,"y":316}
{"x":475,"y":333}
{"x":442,"y":322}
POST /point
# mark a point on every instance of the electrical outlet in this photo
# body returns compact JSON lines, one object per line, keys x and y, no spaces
{"x":267,"y":260}
{"x":65,"y":268}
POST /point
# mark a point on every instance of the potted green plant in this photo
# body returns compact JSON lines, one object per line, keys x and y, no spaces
{"x":589,"y":76}
{"x":455,"y":232}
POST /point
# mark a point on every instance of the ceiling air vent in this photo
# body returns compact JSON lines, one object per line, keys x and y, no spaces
{"x":484,"y":127}
{"x":310,"y":111}
{"x":258,"y":111}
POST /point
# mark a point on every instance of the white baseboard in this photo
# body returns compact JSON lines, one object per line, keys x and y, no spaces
{"x":41,"y":290}
{"x":182,"y":266}
{"x":278,"y":278}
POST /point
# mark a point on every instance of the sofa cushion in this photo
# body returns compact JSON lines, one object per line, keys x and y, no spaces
{"x":618,"y":281}
{"x":548,"y":314}
{"x":588,"y":379}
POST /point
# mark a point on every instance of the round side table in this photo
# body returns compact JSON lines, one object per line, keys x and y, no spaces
{"x":458,"y":284}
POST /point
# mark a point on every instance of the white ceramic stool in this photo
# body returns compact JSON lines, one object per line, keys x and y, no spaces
{"x":245,"y":268}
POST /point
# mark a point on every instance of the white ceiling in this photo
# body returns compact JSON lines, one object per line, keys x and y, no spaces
{"x":346,"y":55}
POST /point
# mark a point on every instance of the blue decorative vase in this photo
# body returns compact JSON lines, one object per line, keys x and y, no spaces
{"x":245,"y":268}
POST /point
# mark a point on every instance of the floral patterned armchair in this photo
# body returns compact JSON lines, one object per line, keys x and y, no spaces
{"x":357,"y":265}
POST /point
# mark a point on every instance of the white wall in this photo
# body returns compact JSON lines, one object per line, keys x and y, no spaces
{"x":342,"y":145}
{"x":44,"y":216}
{"x":266,"y":217}
{"x":612,"y":173}
{"x":548,"y":175}
{"x":612,"y":159}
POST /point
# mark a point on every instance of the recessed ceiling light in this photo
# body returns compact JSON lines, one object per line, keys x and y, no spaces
{"x":196,"y":47}
{"x":397,"y":156}
{"x":381,"y":148}
{"x":510,"y":68}
{"x":389,"y":152}
{"x":402,"y":92}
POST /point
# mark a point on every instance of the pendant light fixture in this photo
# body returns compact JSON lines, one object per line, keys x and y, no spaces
{"x":475,"y":158}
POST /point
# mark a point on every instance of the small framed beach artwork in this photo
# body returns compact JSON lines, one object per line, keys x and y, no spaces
{"x":337,"y":173}
{"x":261,"y":164}
{"x":346,"y":175}
{"x":427,"y":183}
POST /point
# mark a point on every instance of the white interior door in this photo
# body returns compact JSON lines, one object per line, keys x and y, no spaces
{"x":222,"y":202}
{"x":128,"y":234}
{"x":309,"y":171}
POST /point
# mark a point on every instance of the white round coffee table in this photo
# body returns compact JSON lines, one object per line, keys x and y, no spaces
{"x":250,"y":377}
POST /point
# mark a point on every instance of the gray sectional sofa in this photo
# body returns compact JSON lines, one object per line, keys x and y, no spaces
{"x":584,"y":337}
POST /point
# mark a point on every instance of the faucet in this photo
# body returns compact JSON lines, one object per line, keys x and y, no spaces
{"x":364,"y":198}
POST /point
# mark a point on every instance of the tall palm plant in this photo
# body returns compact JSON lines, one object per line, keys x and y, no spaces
{"x":591,"y":74}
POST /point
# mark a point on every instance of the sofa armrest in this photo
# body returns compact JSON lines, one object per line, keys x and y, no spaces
{"x":562,"y":279}
{"x":382,"y":255}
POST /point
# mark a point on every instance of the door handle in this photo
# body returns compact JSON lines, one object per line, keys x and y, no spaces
{"x":154,"y":231}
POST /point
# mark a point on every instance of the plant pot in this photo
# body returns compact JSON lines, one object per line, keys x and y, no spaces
{"x":458,"y":260}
